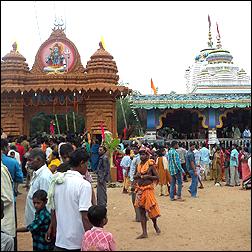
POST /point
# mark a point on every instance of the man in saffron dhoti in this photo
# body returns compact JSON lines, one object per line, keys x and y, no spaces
{"x":145,"y":178}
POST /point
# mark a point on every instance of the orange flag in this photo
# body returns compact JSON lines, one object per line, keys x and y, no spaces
{"x":153,"y":87}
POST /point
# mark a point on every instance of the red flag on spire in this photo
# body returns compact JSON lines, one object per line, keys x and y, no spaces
{"x":218,"y":30}
{"x":209,"y":21}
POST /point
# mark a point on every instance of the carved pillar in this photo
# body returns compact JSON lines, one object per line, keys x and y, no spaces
{"x":12,"y":115}
{"x":100,"y":109}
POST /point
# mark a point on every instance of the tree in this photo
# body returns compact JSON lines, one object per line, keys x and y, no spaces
{"x":132,"y":123}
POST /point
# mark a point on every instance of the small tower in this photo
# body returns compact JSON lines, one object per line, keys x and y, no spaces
{"x":210,"y":43}
{"x":219,"y":46}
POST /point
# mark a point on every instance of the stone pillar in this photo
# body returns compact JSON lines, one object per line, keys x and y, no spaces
{"x":12,"y":115}
{"x":99,"y":110}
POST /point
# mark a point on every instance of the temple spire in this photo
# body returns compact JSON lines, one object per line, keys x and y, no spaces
{"x":14,"y":46}
{"x":218,"y":37}
{"x":58,"y":24}
{"x":210,"y":43}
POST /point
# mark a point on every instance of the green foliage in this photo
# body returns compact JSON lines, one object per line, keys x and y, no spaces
{"x":41,"y":123}
{"x":110,"y":143}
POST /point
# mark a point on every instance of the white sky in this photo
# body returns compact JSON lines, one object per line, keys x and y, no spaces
{"x":157,"y":40}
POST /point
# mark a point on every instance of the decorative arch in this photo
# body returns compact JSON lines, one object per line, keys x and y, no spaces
{"x":224,"y":115}
{"x":163,"y":116}
{"x":200,"y":115}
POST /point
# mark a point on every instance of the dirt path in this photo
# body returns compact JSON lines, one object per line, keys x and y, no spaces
{"x":220,"y":219}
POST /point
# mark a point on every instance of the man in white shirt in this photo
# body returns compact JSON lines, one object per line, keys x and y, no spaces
{"x":246,"y":134}
{"x":48,"y":150}
{"x":8,"y":224}
{"x":70,"y":198}
{"x":41,"y":179}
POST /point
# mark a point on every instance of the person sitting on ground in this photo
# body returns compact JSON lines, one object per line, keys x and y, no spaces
{"x":144,"y":177}
{"x":40,"y":224}
{"x":97,"y":239}
{"x":7,"y":241}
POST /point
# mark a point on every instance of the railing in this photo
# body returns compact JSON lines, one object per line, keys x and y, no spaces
{"x":226,"y":142}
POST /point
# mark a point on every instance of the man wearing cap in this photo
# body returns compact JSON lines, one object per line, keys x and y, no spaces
{"x":144,"y":177}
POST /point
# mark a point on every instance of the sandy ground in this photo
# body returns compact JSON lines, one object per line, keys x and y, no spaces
{"x":219,"y":220}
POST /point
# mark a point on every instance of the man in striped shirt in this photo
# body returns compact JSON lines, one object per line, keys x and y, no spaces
{"x":175,"y":170}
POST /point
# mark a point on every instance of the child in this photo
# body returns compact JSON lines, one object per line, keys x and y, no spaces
{"x":7,"y":241}
{"x":125,"y":164}
{"x":97,"y":239}
{"x":40,"y":224}
{"x":200,"y":171}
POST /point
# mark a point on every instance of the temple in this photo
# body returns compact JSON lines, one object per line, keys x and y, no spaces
{"x":58,"y":83}
{"x":218,"y":98}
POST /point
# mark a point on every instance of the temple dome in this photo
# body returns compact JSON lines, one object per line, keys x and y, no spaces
{"x":14,"y":62}
{"x":219,"y":56}
{"x":101,"y":67}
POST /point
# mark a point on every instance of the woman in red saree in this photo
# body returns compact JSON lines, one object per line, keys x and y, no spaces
{"x":118,"y":155}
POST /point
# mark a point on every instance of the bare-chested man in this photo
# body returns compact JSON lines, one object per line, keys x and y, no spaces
{"x":145,"y":176}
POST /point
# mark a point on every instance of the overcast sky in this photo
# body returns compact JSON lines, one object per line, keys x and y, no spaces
{"x":157,"y":40}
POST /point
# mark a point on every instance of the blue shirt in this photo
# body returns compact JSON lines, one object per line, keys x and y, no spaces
{"x":125,"y":164}
{"x":204,"y":155}
{"x":190,"y":157}
{"x":174,"y":162}
{"x":234,"y":158}
{"x":14,"y":168}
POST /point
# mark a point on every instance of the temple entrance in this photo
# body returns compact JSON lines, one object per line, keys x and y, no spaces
{"x":72,"y":122}
{"x":182,"y":124}
{"x":241,"y":118}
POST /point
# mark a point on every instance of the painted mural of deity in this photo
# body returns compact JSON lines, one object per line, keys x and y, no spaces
{"x":57,"y":59}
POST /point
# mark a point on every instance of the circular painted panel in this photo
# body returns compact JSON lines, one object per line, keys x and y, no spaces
{"x":57,"y":57}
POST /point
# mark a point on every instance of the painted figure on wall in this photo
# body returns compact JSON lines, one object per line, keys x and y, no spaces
{"x":56,"y":60}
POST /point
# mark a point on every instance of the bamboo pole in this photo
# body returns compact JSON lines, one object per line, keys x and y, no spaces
{"x":67,"y":126}
{"x":57,"y":124}
{"x":124,"y":118}
{"x":74,"y":124}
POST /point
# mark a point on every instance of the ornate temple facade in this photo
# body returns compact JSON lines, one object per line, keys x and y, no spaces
{"x":218,"y":97}
{"x":58,"y":82}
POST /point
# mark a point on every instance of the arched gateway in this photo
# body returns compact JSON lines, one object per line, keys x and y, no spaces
{"x":57,"y":84}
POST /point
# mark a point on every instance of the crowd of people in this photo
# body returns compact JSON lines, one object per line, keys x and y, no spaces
{"x":64,"y":212}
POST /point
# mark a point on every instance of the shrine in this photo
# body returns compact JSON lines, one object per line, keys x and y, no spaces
{"x":218,"y":98}
{"x":58,"y":83}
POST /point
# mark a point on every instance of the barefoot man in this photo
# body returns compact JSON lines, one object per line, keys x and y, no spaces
{"x":145,"y":176}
